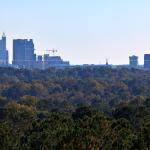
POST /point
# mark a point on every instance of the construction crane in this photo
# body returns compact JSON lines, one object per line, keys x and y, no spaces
{"x":53,"y":51}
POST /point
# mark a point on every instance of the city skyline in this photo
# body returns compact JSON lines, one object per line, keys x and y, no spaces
{"x":84,"y":32}
{"x":53,"y":52}
{"x":24,"y":56}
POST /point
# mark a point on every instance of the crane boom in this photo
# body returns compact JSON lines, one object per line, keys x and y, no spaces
{"x":53,"y":51}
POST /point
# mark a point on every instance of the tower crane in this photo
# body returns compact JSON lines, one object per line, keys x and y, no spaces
{"x":53,"y":51}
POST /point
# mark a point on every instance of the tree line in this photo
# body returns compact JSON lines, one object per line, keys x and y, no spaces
{"x":75,"y":108}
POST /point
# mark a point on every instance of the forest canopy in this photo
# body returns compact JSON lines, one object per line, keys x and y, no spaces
{"x":75,"y":108}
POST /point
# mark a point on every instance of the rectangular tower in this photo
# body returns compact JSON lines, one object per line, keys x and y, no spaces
{"x":23,"y":53}
{"x":147,"y":61}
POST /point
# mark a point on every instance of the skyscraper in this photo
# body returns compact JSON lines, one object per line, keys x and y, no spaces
{"x":133,"y":60}
{"x":23,"y":53}
{"x":3,"y":51}
{"x":147,"y":61}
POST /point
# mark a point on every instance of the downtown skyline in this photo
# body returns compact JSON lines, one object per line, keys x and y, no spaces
{"x":56,"y":53}
{"x":84,"y":32}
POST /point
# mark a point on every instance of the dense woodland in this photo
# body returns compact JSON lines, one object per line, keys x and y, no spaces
{"x":85,"y":108}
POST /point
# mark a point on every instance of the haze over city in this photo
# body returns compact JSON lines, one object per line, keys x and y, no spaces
{"x":83,"y":32}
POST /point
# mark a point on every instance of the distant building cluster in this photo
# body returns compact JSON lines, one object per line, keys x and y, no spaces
{"x":24,"y":56}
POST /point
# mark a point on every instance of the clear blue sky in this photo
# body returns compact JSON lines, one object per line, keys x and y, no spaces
{"x":84,"y":31}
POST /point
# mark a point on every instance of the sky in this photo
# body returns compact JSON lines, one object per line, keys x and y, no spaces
{"x":83,"y":31}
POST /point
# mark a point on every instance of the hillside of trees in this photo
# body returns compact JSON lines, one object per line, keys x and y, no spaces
{"x":95,"y":108}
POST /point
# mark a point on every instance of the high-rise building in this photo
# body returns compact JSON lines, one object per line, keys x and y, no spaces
{"x":133,"y":60}
{"x":3,"y":51}
{"x":23,"y":53}
{"x":147,"y":61}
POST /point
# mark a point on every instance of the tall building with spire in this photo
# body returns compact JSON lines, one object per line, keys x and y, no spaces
{"x":3,"y":51}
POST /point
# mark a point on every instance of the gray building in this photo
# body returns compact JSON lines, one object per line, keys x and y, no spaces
{"x":147,"y":61}
{"x":133,"y":61}
{"x":3,"y":51}
{"x":54,"y":61}
{"x":23,"y":53}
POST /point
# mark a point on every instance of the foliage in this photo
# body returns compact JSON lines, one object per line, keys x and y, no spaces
{"x":74,"y":108}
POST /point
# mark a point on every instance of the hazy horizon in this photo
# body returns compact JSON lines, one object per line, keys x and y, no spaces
{"x":84,"y":32}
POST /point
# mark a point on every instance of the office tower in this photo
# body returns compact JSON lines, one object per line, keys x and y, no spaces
{"x":133,"y":60}
{"x":147,"y":61}
{"x":23,"y":53}
{"x":3,"y":51}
